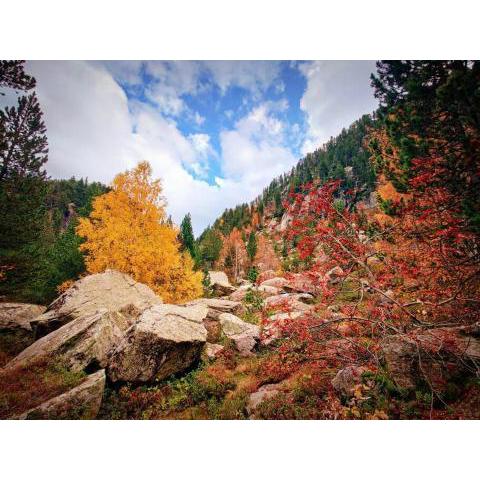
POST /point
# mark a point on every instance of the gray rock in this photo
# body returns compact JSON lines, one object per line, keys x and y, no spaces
{"x":80,"y":403}
{"x":244,"y":335}
{"x":110,"y":290}
{"x":220,"y":283}
{"x":263,"y":393}
{"x":84,"y":342}
{"x":167,"y":339}
{"x":16,"y":333}
{"x":212,"y":350}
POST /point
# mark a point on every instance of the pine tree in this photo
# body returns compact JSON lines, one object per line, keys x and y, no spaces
{"x":252,"y":246}
{"x":23,"y":153}
{"x":186,"y":236}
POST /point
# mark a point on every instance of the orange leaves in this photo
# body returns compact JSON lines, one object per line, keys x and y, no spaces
{"x":125,"y":232}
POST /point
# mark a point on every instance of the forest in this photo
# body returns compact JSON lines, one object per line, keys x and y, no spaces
{"x":349,"y":288}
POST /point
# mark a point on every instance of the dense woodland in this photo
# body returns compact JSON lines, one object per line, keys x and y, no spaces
{"x":380,"y":226}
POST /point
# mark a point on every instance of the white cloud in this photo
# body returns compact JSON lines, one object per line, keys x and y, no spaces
{"x":254,"y":152}
{"x":337,"y":93}
{"x":94,"y":132}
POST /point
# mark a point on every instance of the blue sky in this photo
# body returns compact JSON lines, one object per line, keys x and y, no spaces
{"x":215,"y":132}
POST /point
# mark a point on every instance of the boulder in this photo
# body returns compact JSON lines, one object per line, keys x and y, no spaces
{"x":110,"y":290}
{"x":83,"y":343}
{"x":437,"y":356}
{"x":220,"y":284}
{"x":218,"y":305}
{"x":277,"y":282}
{"x":80,"y":403}
{"x":347,"y":378}
{"x":301,"y":283}
{"x":16,"y":333}
{"x":167,"y":339}
{"x":265,"y":275}
{"x":212,"y":350}
{"x":295,"y":302}
{"x":263,"y":393}
{"x":239,"y":294}
{"x":15,"y":316}
{"x":268,"y":291}
{"x":244,"y":335}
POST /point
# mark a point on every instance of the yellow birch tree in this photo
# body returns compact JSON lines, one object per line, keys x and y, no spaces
{"x":127,"y":231}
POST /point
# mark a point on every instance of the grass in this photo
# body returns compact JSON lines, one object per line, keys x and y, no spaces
{"x":25,"y":387}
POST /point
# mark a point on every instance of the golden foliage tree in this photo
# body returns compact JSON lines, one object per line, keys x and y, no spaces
{"x":127,"y":231}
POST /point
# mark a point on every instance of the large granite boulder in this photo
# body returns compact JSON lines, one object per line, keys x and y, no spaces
{"x":167,"y":339}
{"x":80,"y":403}
{"x":244,"y":335}
{"x":83,"y":343}
{"x":437,"y":356}
{"x":110,"y":290}
{"x":16,"y":332}
{"x":293,"y":302}
{"x":220,"y":284}
{"x":218,"y":305}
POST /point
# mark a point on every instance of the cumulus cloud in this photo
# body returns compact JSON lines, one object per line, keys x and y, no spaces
{"x":337,"y":93}
{"x":95,"y":132}
{"x":254,"y":151}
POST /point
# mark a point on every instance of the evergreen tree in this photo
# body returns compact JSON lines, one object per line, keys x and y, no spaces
{"x":23,"y":153}
{"x":252,"y":246}
{"x":186,"y":236}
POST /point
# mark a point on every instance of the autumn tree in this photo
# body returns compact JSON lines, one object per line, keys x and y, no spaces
{"x":127,"y":231}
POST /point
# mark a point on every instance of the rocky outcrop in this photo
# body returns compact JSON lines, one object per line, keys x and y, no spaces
{"x":218,"y":305}
{"x":277,"y":282}
{"x":220,"y":284}
{"x":18,"y":315}
{"x":300,"y":283}
{"x":16,"y":333}
{"x":437,"y":357}
{"x":110,"y":290}
{"x":80,"y":403}
{"x":244,"y":335}
{"x":212,"y":350}
{"x":83,"y":343}
{"x":294,"y":302}
{"x":167,"y":339}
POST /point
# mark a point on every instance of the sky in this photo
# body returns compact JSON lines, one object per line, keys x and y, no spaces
{"x":215,"y":132}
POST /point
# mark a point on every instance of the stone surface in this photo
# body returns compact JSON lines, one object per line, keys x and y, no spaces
{"x":265,"y":275}
{"x":295,"y":302}
{"x":109,"y":290}
{"x":438,"y":356}
{"x":263,"y":393}
{"x":167,"y":339}
{"x":219,"y":305}
{"x":244,"y":335}
{"x":212,"y":350}
{"x":268,"y":291}
{"x":18,"y":315}
{"x":16,"y":334}
{"x":220,"y":284}
{"x":301,"y":283}
{"x":82,"y":402}
{"x":84,"y":342}
{"x":347,"y":378}
{"x":277,"y":282}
